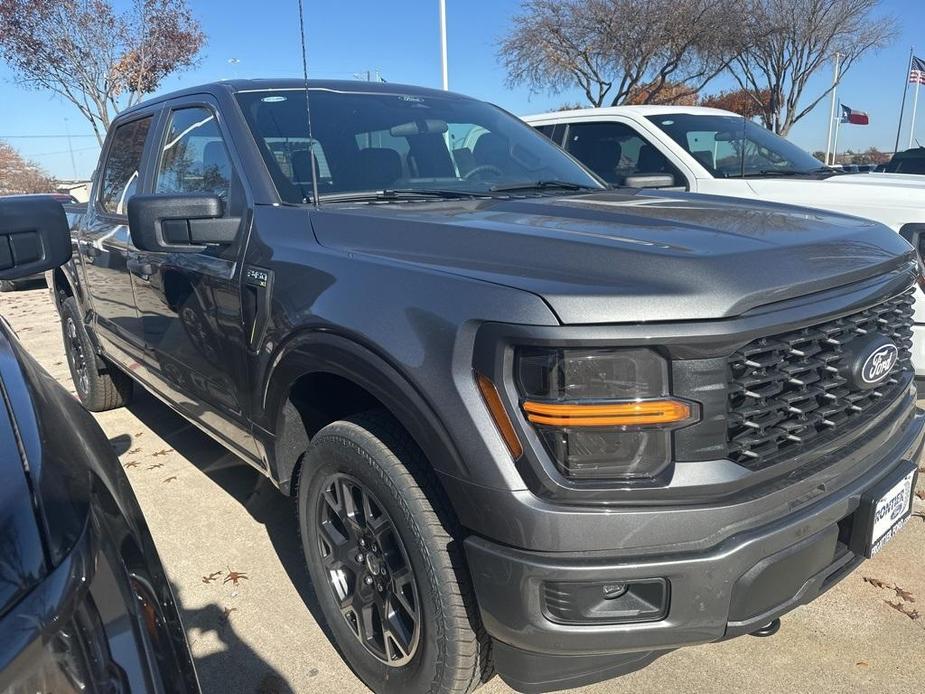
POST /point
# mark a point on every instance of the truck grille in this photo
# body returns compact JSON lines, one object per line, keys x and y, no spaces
{"x":785,"y":392}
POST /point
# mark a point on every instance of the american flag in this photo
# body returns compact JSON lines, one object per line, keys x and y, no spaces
{"x":917,"y":73}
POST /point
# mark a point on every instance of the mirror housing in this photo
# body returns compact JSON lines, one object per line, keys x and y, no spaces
{"x":650,"y":181}
{"x":34,"y":236}
{"x":183,"y":222}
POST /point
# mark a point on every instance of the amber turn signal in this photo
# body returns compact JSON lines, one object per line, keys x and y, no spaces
{"x":641,"y":413}
{"x":499,"y":415}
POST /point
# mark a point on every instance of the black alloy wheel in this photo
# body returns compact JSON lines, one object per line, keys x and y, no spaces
{"x":368,"y":569}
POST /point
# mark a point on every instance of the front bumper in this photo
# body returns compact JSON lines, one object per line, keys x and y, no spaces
{"x":753,"y":575}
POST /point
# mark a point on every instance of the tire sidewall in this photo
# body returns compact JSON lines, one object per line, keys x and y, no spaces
{"x":337,"y":452}
{"x":70,"y":313}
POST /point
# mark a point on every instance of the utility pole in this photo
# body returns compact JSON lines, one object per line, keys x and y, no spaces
{"x":446,"y":76}
{"x":829,"y":155}
{"x":70,"y":149}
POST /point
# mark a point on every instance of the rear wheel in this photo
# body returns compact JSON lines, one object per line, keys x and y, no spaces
{"x":7,"y":286}
{"x":100,"y":385}
{"x":386,"y":561}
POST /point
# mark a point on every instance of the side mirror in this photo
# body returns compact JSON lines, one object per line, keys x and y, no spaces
{"x":649,"y":181}
{"x":34,"y":236}
{"x":162,"y":223}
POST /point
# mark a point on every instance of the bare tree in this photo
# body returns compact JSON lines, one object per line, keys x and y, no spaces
{"x":789,"y":41}
{"x":18,"y":175}
{"x":612,"y":49}
{"x":97,"y":58}
{"x":742,"y":101}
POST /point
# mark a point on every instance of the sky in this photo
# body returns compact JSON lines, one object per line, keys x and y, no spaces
{"x":400,"y":38}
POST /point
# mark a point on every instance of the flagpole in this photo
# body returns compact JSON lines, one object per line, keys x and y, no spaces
{"x":915,"y":103}
{"x":828,"y":141}
{"x":835,"y":140}
{"x":902,"y":108}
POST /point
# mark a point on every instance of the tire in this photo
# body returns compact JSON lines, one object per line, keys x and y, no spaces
{"x":99,"y":384}
{"x":371,"y":459}
{"x":7,"y":286}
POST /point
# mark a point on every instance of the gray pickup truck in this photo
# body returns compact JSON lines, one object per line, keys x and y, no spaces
{"x":533,"y":425}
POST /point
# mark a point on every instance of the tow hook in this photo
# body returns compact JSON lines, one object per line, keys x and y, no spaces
{"x":768,"y":629}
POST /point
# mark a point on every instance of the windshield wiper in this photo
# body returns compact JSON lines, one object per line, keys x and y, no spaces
{"x":777,"y":172}
{"x":397,"y":194}
{"x":540,"y":185}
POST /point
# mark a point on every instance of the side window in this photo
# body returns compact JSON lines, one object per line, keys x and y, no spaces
{"x":120,"y":173}
{"x":614,"y":151}
{"x":194,"y":158}
{"x":553,"y":131}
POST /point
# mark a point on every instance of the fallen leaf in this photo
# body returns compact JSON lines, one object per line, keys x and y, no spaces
{"x":211,"y":577}
{"x":134,"y":450}
{"x":170,"y":479}
{"x":235,"y":576}
{"x":226,"y":612}
{"x":876,"y":582}
{"x":131,"y":463}
{"x":903,"y":594}
{"x":861,"y":663}
{"x":921,"y":494}
{"x":163,"y":452}
{"x":155,"y":466}
{"x":919,"y":514}
{"x":911,"y":613}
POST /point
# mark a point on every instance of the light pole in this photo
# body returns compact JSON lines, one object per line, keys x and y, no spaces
{"x":446,"y":77}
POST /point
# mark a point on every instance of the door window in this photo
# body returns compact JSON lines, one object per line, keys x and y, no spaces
{"x":121,"y":172}
{"x":194,"y":158}
{"x":614,"y":151}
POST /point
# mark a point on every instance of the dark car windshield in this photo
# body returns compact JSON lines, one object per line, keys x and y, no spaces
{"x":367,"y":142}
{"x":732,"y":146}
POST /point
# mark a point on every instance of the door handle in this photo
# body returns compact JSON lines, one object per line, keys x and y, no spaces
{"x":141,"y":269}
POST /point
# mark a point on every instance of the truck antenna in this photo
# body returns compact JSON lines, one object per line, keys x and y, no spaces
{"x":308,"y":109}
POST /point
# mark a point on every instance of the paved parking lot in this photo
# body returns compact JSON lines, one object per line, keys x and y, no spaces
{"x":230,"y":547}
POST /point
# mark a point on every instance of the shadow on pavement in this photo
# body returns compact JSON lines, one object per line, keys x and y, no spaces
{"x":213,"y":669}
{"x":254,"y":491}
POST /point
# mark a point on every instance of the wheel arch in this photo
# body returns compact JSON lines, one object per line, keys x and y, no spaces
{"x":326,"y":359}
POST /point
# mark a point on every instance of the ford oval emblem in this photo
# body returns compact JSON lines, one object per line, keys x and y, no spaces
{"x":879,"y":363}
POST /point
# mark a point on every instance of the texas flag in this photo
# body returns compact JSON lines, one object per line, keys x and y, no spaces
{"x":849,"y":115}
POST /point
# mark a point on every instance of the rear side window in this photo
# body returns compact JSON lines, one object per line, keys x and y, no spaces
{"x":615,"y":151}
{"x":120,"y":175}
{"x":194,"y":158}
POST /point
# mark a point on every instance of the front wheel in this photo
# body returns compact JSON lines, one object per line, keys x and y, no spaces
{"x":385,"y":559}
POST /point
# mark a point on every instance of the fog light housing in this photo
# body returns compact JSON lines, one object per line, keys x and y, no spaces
{"x":602,"y":413}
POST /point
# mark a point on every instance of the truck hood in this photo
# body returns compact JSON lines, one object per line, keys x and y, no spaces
{"x":892,"y":199}
{"x":619,"y":257}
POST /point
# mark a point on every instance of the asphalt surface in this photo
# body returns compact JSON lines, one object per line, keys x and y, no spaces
{"x":229,"y":543}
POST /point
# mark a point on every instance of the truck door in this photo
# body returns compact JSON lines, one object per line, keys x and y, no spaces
{"x":103,"y":240}
{"x":189,"y":303}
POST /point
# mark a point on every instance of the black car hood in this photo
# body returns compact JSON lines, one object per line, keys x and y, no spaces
{"x":615,"y":257}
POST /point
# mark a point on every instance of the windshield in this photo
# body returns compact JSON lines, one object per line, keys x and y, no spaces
{"x":732,"y":147}
{"x":369,"y":142}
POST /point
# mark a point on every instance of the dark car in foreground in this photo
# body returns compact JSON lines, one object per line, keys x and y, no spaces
{"x":85,"y":605}
{"x":532,"y":424}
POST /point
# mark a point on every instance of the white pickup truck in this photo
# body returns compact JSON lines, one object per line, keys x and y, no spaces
{"x":708,"y":150}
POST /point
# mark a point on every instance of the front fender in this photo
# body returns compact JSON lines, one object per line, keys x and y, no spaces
{"x":319,"y":351}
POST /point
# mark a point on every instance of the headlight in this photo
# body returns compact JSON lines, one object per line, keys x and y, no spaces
{"x":601,"y":413}
{"x":915,"y":234}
